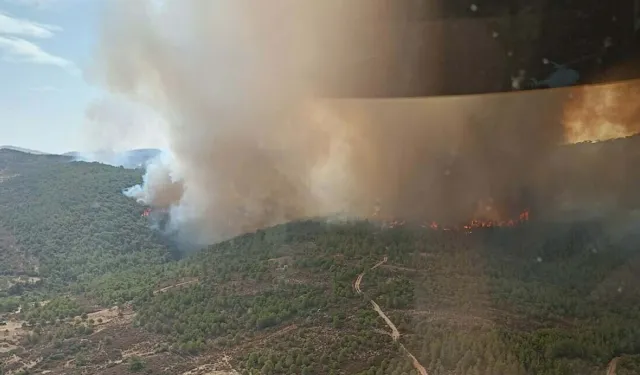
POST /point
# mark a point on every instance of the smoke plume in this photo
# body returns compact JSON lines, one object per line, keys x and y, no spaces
{"x":239,"y":86}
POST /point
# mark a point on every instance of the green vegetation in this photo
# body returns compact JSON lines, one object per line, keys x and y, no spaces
{"x":535,"y":299}
{"x":136,"y":364}
{"x":72,"y":219}
{"x":494,"y":301}
{"x":58,"y":308}
{"x":9,"y":304}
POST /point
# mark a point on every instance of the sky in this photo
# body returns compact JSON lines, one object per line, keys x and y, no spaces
{"x":45,"y":45}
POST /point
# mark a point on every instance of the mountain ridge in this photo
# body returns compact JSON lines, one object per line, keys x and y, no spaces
{"x":132,"y":159}
{"x":22,"y":149}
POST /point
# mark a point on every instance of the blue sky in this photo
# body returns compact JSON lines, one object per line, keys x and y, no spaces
{"x":44,"y":47}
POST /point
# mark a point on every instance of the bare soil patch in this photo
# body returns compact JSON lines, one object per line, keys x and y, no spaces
{"x":12,"y":332}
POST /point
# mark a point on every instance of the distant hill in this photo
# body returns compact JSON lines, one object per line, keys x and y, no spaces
{"x":130,"y":159}
{"x":21,"y":149}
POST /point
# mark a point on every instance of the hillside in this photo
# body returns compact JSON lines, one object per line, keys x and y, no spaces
{"x":69,"y":221}
{"x":98,"y":292}
{"x":22,"y":149}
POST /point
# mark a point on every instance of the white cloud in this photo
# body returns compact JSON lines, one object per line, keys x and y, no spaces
{"x":16,"y":26}
{"x":20,"y":50}
{"x":14,"y":48}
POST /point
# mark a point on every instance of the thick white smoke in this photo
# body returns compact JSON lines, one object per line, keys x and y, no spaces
{"x":234,"y":80}
{"x":160,"y":186}
{"x":237,"y":85}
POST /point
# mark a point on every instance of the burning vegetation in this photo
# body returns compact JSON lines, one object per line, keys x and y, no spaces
{"x":478,"y":222}
{"x":154,"y":213}
{"x":247,"y":153}
{"x":602,"y":112}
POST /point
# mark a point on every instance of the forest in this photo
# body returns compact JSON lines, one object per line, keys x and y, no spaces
{"x":538,"y":298}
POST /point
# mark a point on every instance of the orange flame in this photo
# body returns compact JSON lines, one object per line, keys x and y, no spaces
{"x":480,"y":224}
{"x":486,"y":217}
{"x":602,"y":112}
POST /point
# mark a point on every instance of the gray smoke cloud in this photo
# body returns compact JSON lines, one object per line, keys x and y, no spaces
{"x":239,"y":86}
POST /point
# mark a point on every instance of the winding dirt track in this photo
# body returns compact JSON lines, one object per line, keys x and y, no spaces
{"x":395,"y":334}
{"x":356,"y":285}
{"x":383,"y":261}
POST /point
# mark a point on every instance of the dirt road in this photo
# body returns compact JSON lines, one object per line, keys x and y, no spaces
{"x":383,"y":261}
{"x":611,"y":370}
{"x":356,"y":284}
{"x":166,"y":288}
{"x":414,"y":361}
{"x":395,"y":334}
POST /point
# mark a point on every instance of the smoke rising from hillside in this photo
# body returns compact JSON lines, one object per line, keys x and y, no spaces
{"x":252,"y":145}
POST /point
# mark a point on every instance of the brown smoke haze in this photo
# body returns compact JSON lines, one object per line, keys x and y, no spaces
{"x":252,"y":144}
